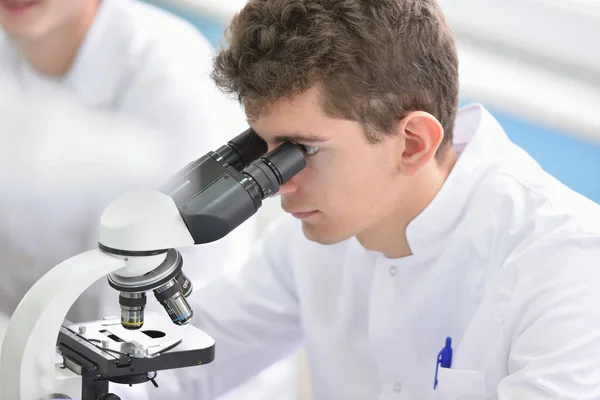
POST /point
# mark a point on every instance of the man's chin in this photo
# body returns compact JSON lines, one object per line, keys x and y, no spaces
{"x":320,"y":234}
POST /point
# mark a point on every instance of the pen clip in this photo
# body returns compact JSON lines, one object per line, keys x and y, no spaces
{"x":437,"y":365}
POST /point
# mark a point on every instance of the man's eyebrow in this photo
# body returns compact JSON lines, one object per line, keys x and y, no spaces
{"x":300,"y":138}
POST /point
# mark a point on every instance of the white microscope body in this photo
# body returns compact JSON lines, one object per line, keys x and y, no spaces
{"x":138,"y":234}
{"x":27,"y":364}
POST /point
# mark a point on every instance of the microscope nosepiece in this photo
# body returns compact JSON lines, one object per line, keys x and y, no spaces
{"x":186,"y":285}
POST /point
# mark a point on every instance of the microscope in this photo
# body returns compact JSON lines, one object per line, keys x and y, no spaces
{"x":46,"y":357}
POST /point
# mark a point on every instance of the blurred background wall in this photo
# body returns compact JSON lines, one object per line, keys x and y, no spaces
{"x":534,"y":64}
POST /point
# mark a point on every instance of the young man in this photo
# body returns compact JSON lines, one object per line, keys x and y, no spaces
{"x":411,"y":223}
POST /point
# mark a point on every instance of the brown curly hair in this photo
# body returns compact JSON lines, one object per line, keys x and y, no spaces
{"x":374,"y":60}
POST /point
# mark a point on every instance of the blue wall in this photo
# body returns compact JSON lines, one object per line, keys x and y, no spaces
{"x":574,"y":161}
{"x":210,"y":28}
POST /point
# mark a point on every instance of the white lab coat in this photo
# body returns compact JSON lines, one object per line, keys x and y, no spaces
{"x":137,"y":105}
{"x":505,"y":262}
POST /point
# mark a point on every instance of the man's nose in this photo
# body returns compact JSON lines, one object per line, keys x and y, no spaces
{"x":287,"y":188}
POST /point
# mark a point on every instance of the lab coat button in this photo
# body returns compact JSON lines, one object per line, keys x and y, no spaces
{"x":398,"y":387}
{"x":393,"y":270}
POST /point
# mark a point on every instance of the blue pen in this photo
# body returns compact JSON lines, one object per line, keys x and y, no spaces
{"x":444,"y":359}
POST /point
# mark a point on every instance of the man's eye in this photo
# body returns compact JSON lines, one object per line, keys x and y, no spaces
{"x":308,"y":150}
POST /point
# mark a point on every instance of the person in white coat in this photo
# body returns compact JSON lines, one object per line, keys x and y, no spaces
{"x":425,"y":256}
{"x":125,"y":59}
{"x":72,"y":72}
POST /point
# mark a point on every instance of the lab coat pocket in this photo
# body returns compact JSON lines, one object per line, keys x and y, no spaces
{"x":455,"y":384}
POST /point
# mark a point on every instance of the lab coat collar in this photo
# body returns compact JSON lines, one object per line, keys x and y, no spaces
{"x":98,"y":71}
{"x":480,"y":142}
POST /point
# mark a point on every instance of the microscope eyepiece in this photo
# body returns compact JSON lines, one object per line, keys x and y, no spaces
{"x":276,"y":168}
{"x":240,"y":151}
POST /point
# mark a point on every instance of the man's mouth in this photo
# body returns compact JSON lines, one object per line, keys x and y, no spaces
{"x":302,"y":214}
{"x":18,"y":5}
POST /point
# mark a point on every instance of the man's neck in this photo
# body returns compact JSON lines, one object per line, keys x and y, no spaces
{"x":389,"y":236}
{"x":54,"y":54}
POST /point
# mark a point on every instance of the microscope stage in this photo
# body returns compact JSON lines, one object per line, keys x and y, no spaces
{"x":110,"y":351}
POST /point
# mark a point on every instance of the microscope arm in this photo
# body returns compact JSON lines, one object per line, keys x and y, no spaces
{"x":29,"y":348}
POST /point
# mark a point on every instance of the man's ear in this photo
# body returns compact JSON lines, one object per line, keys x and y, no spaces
{"x":421,"y":134}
